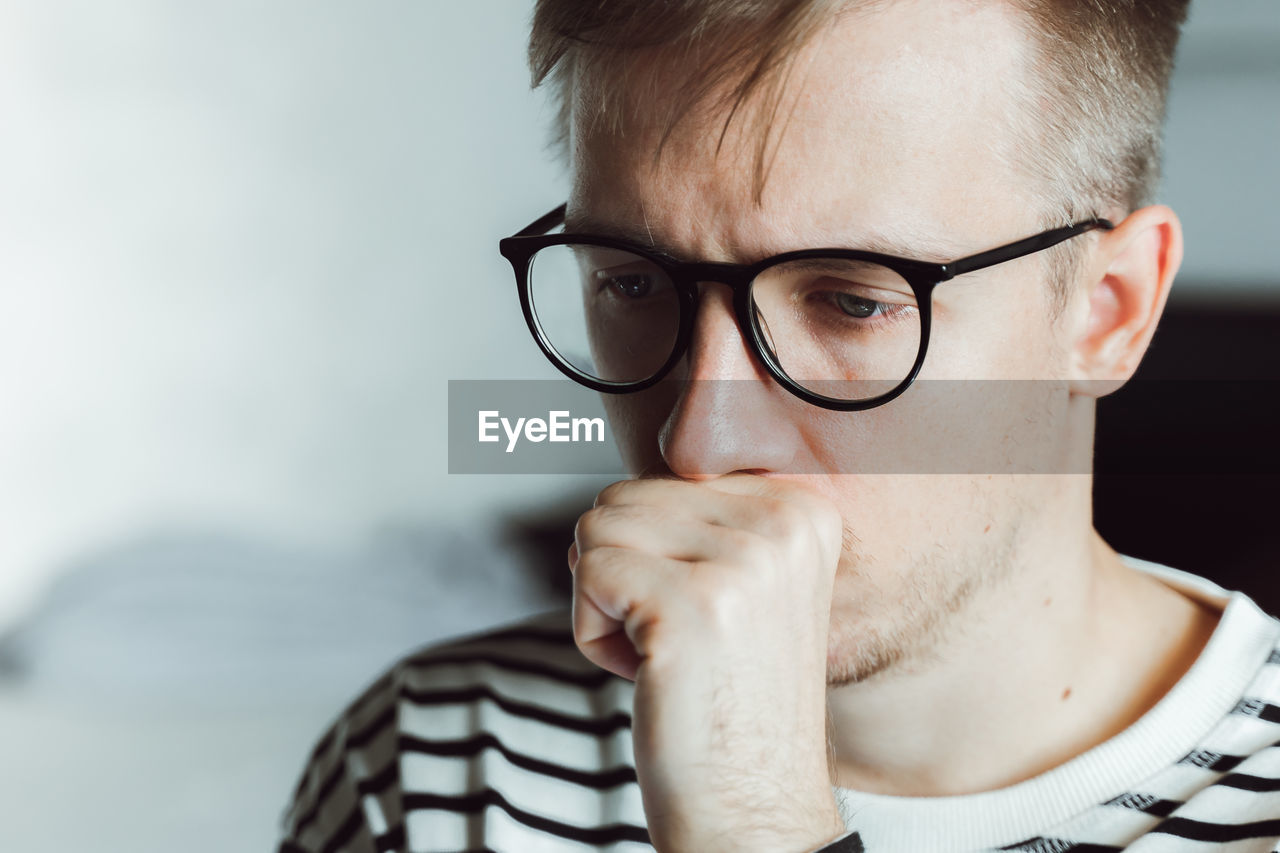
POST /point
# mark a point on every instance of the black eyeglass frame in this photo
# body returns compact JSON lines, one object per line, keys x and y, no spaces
{"x":922,"y":276}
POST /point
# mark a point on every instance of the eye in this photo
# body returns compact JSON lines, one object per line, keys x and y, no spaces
{"x":857,"y":306}
{"x":633,"y":285}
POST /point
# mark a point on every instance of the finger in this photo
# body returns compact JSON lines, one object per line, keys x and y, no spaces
{"x":681,"y":498}
{"x":648,"y":529}
{"x":617,"y":593}
{"x":774,"y":505}
{"x":774,"y":488}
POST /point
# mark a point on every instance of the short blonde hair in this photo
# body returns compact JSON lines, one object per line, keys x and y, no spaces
{"x":1093,"y":112}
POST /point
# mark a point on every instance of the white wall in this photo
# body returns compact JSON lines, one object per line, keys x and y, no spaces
{"x":243,"y":245}
{"x":1222,"y":158}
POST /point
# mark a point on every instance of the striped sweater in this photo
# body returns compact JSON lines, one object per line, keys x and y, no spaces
{"x":511,"y":741}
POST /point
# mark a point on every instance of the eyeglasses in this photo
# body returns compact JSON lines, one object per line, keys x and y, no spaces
{"x":843,"y":329}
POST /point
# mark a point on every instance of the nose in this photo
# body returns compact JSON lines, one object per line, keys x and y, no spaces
{"x":729,"y":415}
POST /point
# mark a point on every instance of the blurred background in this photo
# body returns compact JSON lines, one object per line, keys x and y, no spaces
{"x":236,"y":242}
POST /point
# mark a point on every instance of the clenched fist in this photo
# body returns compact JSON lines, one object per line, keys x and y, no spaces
{"x":715,"y":598}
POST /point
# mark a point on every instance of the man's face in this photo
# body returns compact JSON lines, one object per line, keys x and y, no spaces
{"x":898,"y":134}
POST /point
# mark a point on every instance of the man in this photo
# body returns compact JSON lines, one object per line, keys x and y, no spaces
{"x":785,"y":636}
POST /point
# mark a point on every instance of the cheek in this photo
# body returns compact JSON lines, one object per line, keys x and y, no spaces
{"x":999,"y":328}
{"x":894,"y":525}
{"x":636,"y":420}
{"x":950,"y":427}
{"x":891,"y":516}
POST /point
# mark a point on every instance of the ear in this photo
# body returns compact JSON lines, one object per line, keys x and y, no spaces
{"x":1124,"y":295}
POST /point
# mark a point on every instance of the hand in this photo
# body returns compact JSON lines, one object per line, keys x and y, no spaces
{"x":715,"y":598}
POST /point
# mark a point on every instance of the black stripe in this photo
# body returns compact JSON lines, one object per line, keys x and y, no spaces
{"x":1162,"y":808}
{"x":1146,"y":803}
{"x":371,"y":729}
{"x":331,"y":782}
{"x":1214,"y":761}
{"x":382,"y":683}
{"x":477,"y":802}
{"x":313,"y":760}
{"x":1039,"y":844}
{"x":1249,"y":782}
{"x":380,"y":781}
{"x":601,"y":780}
{"x":556,"y":636}
{"x":369,"y":785}
{"x":374,"y":784}
{"x":1256,"y":707}
{"x":851,"y":843}
{"x":1221,"y":833}
{"x":391,"y":840}
{"x":345,"y":832}
{"x":590,"y":678}
{"x":598,"y":726}
{"x":1217,"y":761}
{"x":288,"y":846}
{"x":331,"y":734}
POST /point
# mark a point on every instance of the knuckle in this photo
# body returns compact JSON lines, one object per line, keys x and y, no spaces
{"x":742,"y":545}
{"x":779,"y":518}
{"x":591,"y":525}
{"x":583,"y":529}
{"x":612,"y":493}
{"x":604,"y":523}
{"x":722,"y":608}
{"x":589,"y":566}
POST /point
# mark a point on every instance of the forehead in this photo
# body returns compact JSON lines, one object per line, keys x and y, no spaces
{"x":896,"y":125}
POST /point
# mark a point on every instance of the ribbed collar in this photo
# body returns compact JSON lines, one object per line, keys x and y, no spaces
{"x":1239,"y":645}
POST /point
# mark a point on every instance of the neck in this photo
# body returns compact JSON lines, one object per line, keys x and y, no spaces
{"x":1075,"y":647}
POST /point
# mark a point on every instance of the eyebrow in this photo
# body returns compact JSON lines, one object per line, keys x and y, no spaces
{"x":902,"y":246}
{"x":581,"y":223}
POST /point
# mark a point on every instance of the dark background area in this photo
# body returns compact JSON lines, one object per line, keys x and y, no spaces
{"x":1187,"y":466}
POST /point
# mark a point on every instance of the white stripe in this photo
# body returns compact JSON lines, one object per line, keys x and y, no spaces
{"x":1225,"y":805}
{"x":556,"y":799}
{"x":440,"y":830}
{"x":561,"y":697}
{"x":1160,"y":843}
{"x":536,"y":739}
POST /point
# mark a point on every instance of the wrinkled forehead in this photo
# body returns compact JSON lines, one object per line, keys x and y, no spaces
{"x":905,"y":114}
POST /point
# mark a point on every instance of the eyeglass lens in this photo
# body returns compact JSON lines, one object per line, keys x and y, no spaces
{"x":845,"y":329}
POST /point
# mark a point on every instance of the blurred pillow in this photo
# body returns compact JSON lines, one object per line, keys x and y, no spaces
{"x":225,"y":619}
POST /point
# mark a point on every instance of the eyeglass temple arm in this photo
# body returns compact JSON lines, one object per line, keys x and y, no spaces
{"x":1029,"y":246}
{"x":543,"y":224}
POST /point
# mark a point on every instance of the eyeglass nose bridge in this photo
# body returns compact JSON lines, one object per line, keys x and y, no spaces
{"x":738,"y":278}
{"x":688,"y":278}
